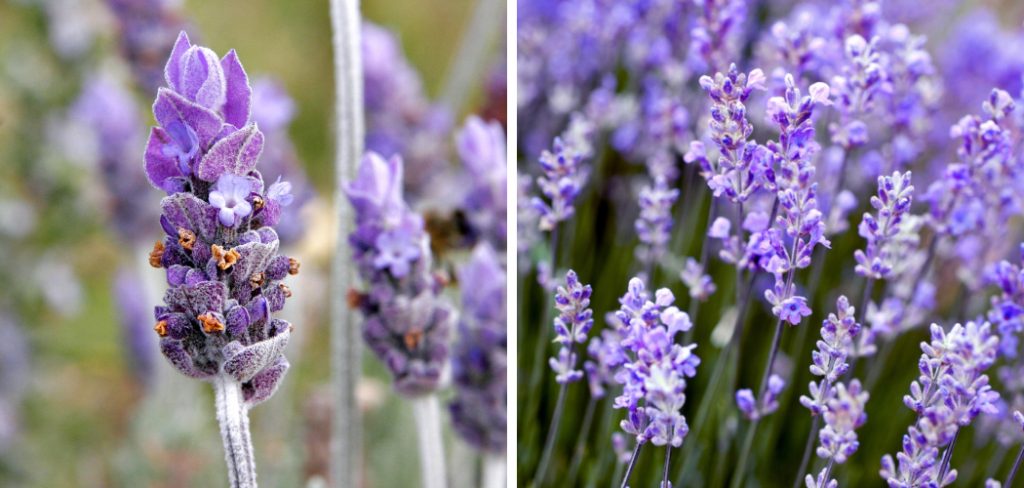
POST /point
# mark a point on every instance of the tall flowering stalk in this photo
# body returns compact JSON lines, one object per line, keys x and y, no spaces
{"x":406,"y":322}
{"x":571,"y":327}
{"x":841,"y":407}
{"x":950,"y":392}
{"x":220,"y":251}
{"x":653,"y":377}
{"x":479,"y":359}
{"x":799,"y":221}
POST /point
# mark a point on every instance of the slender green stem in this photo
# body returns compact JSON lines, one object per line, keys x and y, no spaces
{"x":668,"y":461}
{"x":808,"y":447}
{"x":1013,"y":471}
{"x":704,"y":248}
{"x":748,"y":443}
{"x":948,"y":456}
{"x":537,"y":372}
{"x":549,"y":444}
{"x":632,"y":463}
{"x":581,"y":442}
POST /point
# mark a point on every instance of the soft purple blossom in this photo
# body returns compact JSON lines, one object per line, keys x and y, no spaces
{"x":839,"y":333}
{"x":406,"y":321}
{"x":229,"y":198}
{"x":844,"y":413}
{"x":563,"y":178}
{"x":753,"y":409}
{"x":654,"y":224}
{"x":481,"y":146}
{"x":701,"y":285}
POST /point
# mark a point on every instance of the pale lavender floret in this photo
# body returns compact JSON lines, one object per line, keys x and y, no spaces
{"x":406,"y":320}
{"x":607,"y":358}
{"x":714,"y":35}
{"x":653,"y":377}
{"x":654,"y":224}
{"x":949,"y":393}
{"x":895,"y":195}
{"x":861,"y":82}
{"x":479,"y":361}
{"x":1007,"y":309}
{"x":571,"y":326}
{"x":229,"y":198}
{"x":751,"y":408}
{"x":701,"y":285}
{"x":821,"y":481}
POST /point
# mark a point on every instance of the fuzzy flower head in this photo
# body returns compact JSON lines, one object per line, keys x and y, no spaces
{"x":654,"y":224}
{"x":701,"y":285}
{"x":839,"y":333}
{"x":749,"y":405}
{"x":406,"y":321}
{"x":220,"y":254}
{"x":843,"y":415}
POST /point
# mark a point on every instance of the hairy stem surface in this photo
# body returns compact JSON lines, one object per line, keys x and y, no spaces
{"x":233,"y":418}
{"x":426,"y":412}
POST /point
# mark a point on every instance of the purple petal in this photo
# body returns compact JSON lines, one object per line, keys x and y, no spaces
{"x":186,"y":211}
{"x":264,"y":384}
{"x":253,"y":359}
{"x":239,"y":93}
{"x":160,"y":167}
{"x":172,"y":71}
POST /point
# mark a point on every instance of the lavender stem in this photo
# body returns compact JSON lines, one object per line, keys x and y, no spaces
{"x":948,"y":455}
{"x":632,"y":462}
{"x":345,"y":340}
{"x":1013,"y":470}
{"x":695,"y":303}
{"x":427,"y":414}
{"x":494,"y":471}
{"x":808,"y":447}
{"x":581,"y":442}
{"x":549,"y":444}
{"x":668,"y":461}
{"x":233,"y":418}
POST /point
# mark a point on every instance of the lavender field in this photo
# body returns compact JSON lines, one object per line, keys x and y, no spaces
{"x":770,"y":243}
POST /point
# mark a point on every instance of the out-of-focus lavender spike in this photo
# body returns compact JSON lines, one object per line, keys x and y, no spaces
{"x":479,"y":360}
{"x":399,"y":117}
{"x":148,"y":29}
{"x":14,"y":375}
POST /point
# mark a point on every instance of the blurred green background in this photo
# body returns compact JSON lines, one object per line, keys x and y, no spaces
{"x":85,"y":420}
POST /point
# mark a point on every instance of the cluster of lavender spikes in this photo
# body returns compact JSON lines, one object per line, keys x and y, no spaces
{"x":950,"y":392}
{"x":653,"y":379}
{"x":220,"y":251}
{"x":406,"y":321}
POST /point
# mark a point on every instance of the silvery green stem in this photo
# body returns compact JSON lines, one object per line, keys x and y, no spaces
{"x":1013,"y":470}
{"x":472,"y":54}
{"x":233,"y":417}
{"x":494,"y":471}
{"x":345,"y":345}
{"x":426,"y":413}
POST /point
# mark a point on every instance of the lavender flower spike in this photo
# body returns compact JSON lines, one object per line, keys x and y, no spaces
{"x":571,"y":326}
{"x":220,"y":254}
{"x":406,"y":321}
{"x":895,"y":194}
{"x":563,"y":178}
{"x":479,"y":359}
{"x":949,"y":393}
